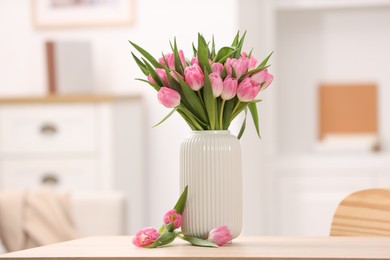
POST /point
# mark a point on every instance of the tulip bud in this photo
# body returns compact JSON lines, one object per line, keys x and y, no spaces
{"x":150,"y":79}
{"x":182,"y":59}
{"x":263,"y":78}
{"x":252,"y":63}
{"x":240,"y":66}
{"x":247,"y":90}
{"x":145,"y":237}
{"x":220,"y":236}
{"x":194,"y":60}
{"x":162,"y":74}
{"x":168,"y":60}
{"x":173,"y":217}
{"x":194,"y":77}
{"x":267,"y":82}
{"x":229,"y":88}
{"x":168,"y":97}
{"x":216,"y":84}
{"x":217,"y":67}
{"x":173,"y":74}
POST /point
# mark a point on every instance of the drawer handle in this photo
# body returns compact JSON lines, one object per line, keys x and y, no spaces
{"x":48,"y":129}
{"x":50,"y":179}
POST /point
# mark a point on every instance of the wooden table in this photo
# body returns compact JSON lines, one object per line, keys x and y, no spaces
{"x":275,"y":248}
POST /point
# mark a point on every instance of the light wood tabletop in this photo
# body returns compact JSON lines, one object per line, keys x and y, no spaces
{"x":275,"y":248}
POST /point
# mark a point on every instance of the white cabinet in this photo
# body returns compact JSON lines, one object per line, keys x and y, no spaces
{"x":77,"y":144}
{"x":309,"y":189}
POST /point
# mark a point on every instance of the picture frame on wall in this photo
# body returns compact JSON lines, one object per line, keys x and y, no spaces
{"x":82,"y":13}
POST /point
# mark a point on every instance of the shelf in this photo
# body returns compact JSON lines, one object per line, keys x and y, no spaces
{"x":328,"y":4}
{"x":67,"y":99}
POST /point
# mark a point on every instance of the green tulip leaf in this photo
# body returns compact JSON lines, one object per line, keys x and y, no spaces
{"x":155,"y":86}
{"x":198,"y":242}
{"x":166,"y":117}
{"x":194,"y":50}
{"x":147,"y":55}
{"x":264,"y":62}
{"x":195,"y":103}
{"x":178,"y":66}
{"x":197,"y":123}
{"x":235,"y":41}
{"x":223,"y":54}
{"x":227,"y":113}
{"x":253,"y":109}
{"x":153,"y":73}
{"x":209,"y":101}
{"x":141,"y":65}
{"x":242,"y":126}
{"x":239,"y":47}
{"x":181,"y":202}
{"x":203,"y":58}
{"x":213,"y":49}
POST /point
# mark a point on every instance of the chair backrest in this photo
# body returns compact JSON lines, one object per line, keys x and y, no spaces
{"x":363,"y":213}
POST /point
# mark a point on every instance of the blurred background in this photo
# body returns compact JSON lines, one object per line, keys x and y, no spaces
{"x":324,"y":121}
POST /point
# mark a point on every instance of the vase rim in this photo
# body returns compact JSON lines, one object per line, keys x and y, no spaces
{"x":210,"y":132}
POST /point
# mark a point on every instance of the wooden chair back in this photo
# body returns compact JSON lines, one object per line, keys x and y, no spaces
{"x":363,"y":213}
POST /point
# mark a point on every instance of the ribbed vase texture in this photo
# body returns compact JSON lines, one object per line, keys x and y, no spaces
{"x":210,"y":164}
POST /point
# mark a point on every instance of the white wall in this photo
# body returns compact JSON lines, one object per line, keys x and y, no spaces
{"x":331,"y":45}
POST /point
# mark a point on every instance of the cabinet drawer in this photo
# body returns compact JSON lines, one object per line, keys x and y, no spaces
{"x":68,"y":175}
{"x":48,"y":128}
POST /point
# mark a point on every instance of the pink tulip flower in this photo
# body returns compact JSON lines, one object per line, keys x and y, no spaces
{"x":168,"y":97}
{"x":240,"y":66}
{"x":162,"y":74}
{"x":194,"y":60}
{"x":247,"y":90}
{"x":220,"y":236}
{"x":229,"y":88}
{"x":170,"y":59}
{"x":194,"y":77}
{"x":182,"y":59}
{"x":216,"y":83}
{"x":150,"y":79}
{"x":173,"y":217}
{"x":263,"y":78}
{"x":145,"y":237}
{"x":252,"y":61}
{"x":173,"y":74}
{"x":217,"y":67}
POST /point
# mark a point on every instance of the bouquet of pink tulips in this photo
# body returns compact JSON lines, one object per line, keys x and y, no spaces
{"x":212,"y":88}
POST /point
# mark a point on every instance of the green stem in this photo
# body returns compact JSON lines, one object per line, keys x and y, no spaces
{"x":200,"y":97}
{"x":236,"y":106}
{"x":221,"y":115}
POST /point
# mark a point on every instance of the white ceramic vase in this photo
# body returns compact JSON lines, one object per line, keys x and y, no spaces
{"x":210,"y":164}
